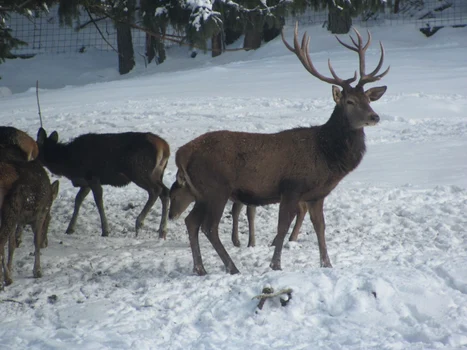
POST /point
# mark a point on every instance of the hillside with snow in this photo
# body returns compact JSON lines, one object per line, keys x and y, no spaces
{"x":396,"y":226}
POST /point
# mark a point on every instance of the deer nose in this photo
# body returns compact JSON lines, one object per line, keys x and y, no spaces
{"x":374,"y":118}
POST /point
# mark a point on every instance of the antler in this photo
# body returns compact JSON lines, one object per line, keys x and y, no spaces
{"x":303,"y":55}
{"x":360,"y":49}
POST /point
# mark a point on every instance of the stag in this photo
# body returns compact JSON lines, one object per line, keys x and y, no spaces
{"x":26,"y":197}
{"x":301,"y":164}
{"x":93,"y":160}
{"x":12,"y":136}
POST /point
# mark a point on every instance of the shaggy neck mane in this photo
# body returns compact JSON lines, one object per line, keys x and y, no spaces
{"x":342,"y":146}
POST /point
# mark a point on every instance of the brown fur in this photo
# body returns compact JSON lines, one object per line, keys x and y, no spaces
{"x":289,"y":167}
{"x":12,"y":136}
{"x":27,"y":199}
{"x":93,"y":160}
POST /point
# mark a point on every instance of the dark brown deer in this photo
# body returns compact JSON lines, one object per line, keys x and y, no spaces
{"x":12,"y":136}
{"x":26,"y":198}
{"x":93,"y":160}
{"x":302,"y":164}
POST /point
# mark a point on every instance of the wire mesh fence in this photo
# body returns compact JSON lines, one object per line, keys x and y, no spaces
{"x":44,"y":34}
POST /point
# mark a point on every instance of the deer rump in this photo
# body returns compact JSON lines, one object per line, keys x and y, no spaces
{"x":111,"y":158}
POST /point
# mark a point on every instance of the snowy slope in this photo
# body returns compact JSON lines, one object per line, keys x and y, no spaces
{"x":396,"y":227}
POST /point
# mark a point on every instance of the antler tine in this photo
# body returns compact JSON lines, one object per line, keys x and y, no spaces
{"x":371,"y":77}
{"x":303,"y":53}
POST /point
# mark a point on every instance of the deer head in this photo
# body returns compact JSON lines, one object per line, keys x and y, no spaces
{"x":354,"y":102}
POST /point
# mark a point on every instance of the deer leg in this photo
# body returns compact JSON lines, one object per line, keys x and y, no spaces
{"x":165,"y":199}
{"x":301,"y":212}
{"x":193,"y":223}
{"x":251,"y":213}
{"x":287,"y":212}
{"x":317,"y":218}
{"x":213,"y":217}
{"x":19,"y":235}
{"x":11,"y":249}
{"x":152,"y":196}
{"x":236,"y":209}
{"x":7,"y":230}
{"x":97,"y":192}
{"x":82,"y":193}
{"x":38,"y":229}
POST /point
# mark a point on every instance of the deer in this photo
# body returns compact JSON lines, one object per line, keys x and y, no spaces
{"x":303,"y":164}
{"x":92,"y":160}
{"x":26,"y":197}
{"x":181,"y":198}
{"x":251,"y":213}
{"x":12,"y":136}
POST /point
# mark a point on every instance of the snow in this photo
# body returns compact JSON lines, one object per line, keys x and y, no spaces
{"x":396,"y":226}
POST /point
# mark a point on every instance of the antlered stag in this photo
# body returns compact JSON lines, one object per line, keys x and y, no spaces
{"x":93,"y":160}
{"x":302,"y":164}
{"x":26,"y":197}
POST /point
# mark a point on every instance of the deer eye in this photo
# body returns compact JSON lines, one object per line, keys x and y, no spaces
{"x":350,"y":102}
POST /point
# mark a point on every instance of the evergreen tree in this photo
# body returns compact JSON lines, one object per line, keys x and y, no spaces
{"x":8,"y":41}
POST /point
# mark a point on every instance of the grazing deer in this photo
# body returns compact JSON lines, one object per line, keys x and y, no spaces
{"x":181,"y":198}
{"x":93,"y":160}
{"x":251,"y":213}
{"x":26,"y":197}
{"x":301,"y":164}
{"x":12,"y":136}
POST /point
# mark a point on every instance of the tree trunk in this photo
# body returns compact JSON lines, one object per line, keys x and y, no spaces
{"x":126,"y":55}
{"x":396,"y":6}
{"x":150,"y":47}
{"x":253,"y":37}
{"x":216,"y":44}
{"x":339,"y":20}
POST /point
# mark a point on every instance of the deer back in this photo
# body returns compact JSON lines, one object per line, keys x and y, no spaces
{"x":12,"y":136}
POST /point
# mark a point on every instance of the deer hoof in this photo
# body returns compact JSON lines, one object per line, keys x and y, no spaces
{"x":199,"y":270}
{"x":236,"y":243}
{"x":105,"y":234}
{"x":163,"y":234}
{"x":69,"y":231}
{"x":8,"y":281}
{"x":276,"y":266}
{"x":37,"y":273}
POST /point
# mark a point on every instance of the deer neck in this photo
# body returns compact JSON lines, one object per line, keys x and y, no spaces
{"x":54,"y":157}
{"x":342,"y":146}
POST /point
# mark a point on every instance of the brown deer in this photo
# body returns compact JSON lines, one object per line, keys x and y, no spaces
{"x":93,"y":160}
{"x":302,"y":164}
{"x":26,"y":198}
{"x":12,"y":136}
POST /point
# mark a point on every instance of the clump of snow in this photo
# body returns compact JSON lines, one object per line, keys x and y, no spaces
{"x":396,"y":227}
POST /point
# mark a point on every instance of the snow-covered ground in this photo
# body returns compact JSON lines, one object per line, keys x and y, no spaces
{"x":396,"y":227}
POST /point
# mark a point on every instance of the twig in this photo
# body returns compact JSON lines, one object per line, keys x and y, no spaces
{"x":91,"y":21}
{"x":168,"y":37}
{"x":38,"y":104}
{"x":11,"y":301}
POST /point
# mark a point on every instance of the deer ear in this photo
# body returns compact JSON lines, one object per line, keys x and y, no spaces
{"x":55,"y":187}
{"x":375,"y":93}
{"x":336,"y":94}
{"x":41,"y":136}
{"x":54,"y":137}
